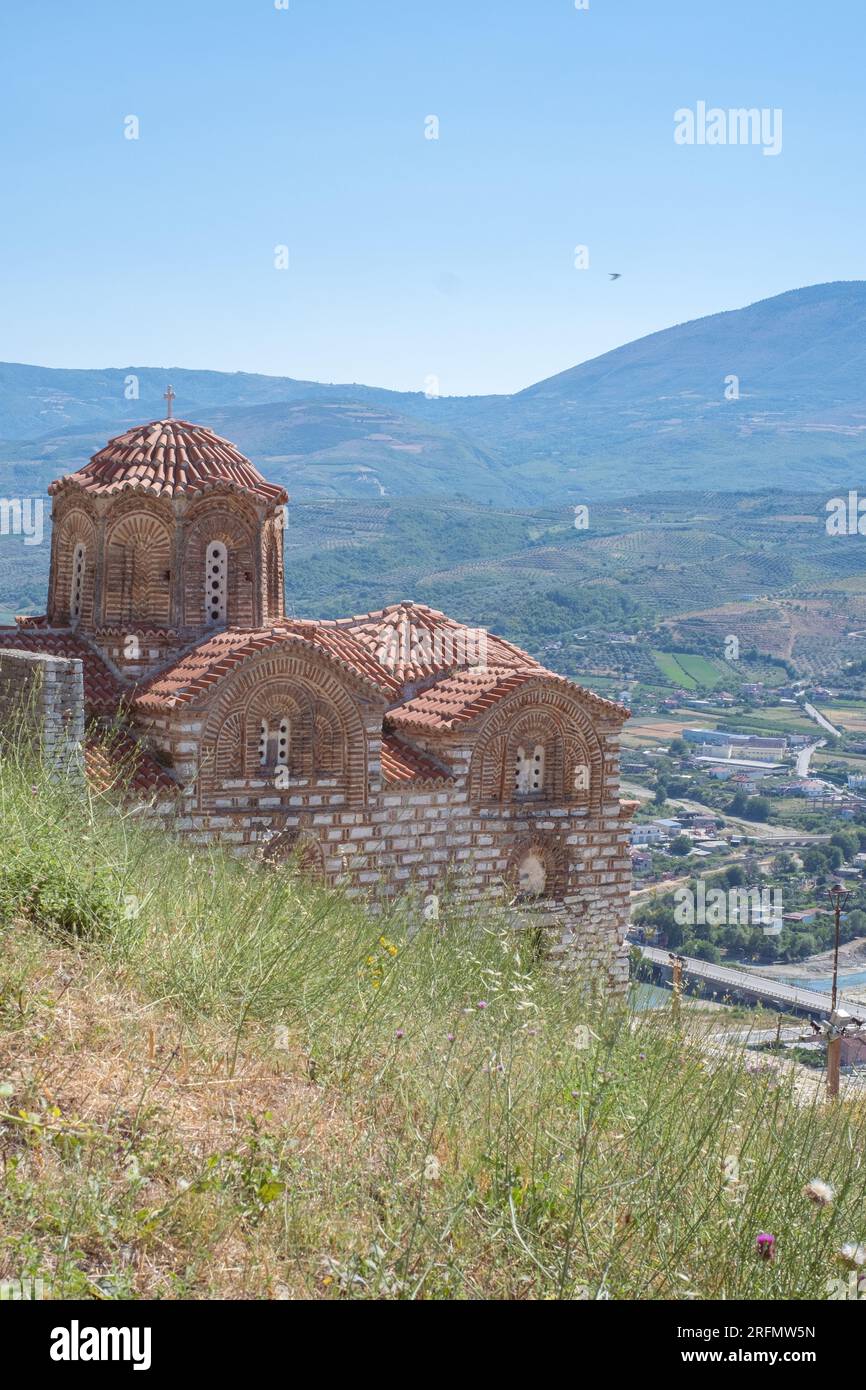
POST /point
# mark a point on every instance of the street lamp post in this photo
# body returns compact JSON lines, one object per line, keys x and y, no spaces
{"x":677,"y":963}
{"x":839,"y":898}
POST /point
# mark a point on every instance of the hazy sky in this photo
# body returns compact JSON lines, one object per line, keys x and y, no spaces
{"x":411,"y":257}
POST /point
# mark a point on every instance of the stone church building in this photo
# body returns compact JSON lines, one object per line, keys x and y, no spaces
{"x":392,"y":750}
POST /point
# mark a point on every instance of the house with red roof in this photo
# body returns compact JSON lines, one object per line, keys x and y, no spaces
{"x":390,"y":751}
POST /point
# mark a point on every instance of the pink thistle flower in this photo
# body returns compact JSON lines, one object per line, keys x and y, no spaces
{"x":765,"y":1245}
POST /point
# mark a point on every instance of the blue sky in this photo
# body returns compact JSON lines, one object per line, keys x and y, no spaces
{"x":410,"y":257}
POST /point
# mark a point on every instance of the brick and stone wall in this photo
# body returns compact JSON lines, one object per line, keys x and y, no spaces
{"x":44,"y":695}
{"x":424,"y":836}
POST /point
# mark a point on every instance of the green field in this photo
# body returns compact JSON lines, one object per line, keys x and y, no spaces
{"x":701,"y":670}
{"x":783,"y":719}
{"x":687,"y":670}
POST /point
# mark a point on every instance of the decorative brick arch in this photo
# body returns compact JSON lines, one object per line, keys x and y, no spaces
{"x":297,"y":844}
{"x":232,"y":521}
{"x":77,"y":526}
{"x":228,"y":754}
{"x":272,"y":569}
{"x":137,"y":584}
{"x":329,"y":749}
{"x":555,"y":720}
{"x":282,"y":682}
{"x":273,"y":701}
{"x":552,"y":854}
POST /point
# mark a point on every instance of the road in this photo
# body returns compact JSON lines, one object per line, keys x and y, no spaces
{"x":805,"y":755}
{"x":818,"y":717}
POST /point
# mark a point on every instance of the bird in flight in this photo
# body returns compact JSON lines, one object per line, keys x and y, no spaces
{"x":614,"y":275}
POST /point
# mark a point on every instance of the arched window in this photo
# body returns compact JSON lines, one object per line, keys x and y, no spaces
{"x":274,"y":743}
{"x":216,"y":569}
{"x":529,"y":770}
{"x":78,"y":560}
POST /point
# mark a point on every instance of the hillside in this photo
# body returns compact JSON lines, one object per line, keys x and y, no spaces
{"x":759,"y":564}
{"x":649,"y":416}
{"x":218,"y":1083}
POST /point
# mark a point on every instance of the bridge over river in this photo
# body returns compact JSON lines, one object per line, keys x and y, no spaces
{"x":746,"y":985}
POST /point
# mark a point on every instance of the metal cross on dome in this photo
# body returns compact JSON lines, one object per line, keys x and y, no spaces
{"x":169,"y":396}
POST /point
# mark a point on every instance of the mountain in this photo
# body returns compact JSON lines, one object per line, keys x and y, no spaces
{"x":652,"y":415}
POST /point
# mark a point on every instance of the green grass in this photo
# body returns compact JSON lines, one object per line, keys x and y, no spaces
{"x":670,"y":667}
{"x":701,"y":670}
{"x":220,"y":1081}
{"x":687,"y":670}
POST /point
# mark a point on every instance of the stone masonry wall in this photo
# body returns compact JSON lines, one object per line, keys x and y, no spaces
{"x":48,"y":692}
{"x":420,"y":836}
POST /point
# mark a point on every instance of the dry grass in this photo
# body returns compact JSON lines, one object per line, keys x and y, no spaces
{"x":249,"y":1088}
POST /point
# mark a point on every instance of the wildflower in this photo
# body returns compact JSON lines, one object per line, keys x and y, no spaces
{"x":400,"y":1033}
{"x":450,"y":1037}
{"x":765,"y":1245}
{"x":482,"y":1004}
{"x":853,"y":1255}
{"x":821,"y":1193}
{"x":432,"y":1168}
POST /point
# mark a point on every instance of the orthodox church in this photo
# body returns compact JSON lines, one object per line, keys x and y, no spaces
{"x":393,"y":750}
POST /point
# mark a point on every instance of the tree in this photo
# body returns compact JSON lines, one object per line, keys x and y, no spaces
{"x":680,"y":845}
{"x":661,"y":794}
{"x":734,"y":876}
{"x":757,"y":808}
{"x":738,"y":805}
{"x":855,"y":922}
{"x":813,"y":859}
{"x":847,"y":842}
{"x":705,"y":950}
{"x":678,"y":786}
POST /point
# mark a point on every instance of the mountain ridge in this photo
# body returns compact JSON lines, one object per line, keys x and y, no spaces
{"x":774,"y":392}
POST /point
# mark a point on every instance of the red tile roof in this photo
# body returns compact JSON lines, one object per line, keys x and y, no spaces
{"x":193,"y":675}
{"x":465,"y":695}
{"x":403,"y":763}
{"x":416,"y":642}
{"x":167,"y":457}
{"x":116,"y":762}
{"x":102,"y":692}
{"x":360,"y":645}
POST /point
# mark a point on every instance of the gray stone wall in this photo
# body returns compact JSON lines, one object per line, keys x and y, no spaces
{"x":43,"y":697}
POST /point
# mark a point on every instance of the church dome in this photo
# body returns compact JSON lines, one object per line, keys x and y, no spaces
{"x":166,"y":458}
